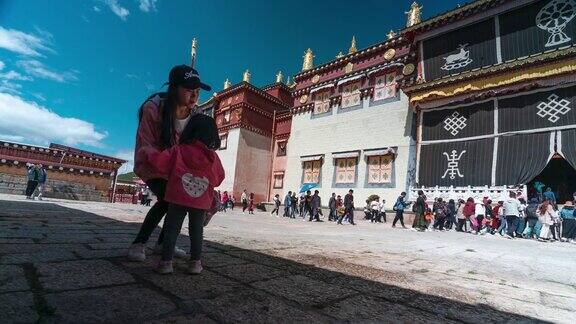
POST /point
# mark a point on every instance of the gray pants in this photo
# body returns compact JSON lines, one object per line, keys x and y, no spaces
{"x":173,"y":225}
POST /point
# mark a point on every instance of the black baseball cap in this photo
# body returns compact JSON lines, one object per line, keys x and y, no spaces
{"x":187,"y":77}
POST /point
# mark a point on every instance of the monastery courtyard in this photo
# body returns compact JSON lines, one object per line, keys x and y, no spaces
{"x":62,"y":261}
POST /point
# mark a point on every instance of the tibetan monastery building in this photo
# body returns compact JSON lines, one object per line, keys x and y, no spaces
{"x":475,"y":102}
{"x":71,"y":173}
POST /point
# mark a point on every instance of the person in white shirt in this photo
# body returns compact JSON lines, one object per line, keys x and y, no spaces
{"x":512,"y":208}
{"x":375,"y":211}
{"x":382,"y":210}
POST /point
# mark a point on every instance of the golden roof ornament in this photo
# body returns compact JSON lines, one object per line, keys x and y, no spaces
{"x":246,"y":76}
{"x":279,"y":77}
{"x":308,"y":60}
{"x":227,"y":84}
{"x":339,"y":55}
{"x":193,"y":52}
{"x":353,"y":48}
{"x":391,"y":34}
{"x":414,"y":15}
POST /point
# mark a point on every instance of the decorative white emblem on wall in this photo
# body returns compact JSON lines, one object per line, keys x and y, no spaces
{"x":554,"y":17}
{"x":452,"y":168}
{"x":553,"y":109}
{"x":194,"y":186}
{"x":458,"y":60}
{"x":455,"y":123}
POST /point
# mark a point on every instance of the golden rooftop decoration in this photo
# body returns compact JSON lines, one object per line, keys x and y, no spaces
{"x":353,"y":48}
{"x":391,"y":34}
{"x":414,"y":15}
{"x":389,"y":54}
{"x":308,"y":60}
{"x":227,"y":84}
{"x":246,"y":76}
{"x":339,"y":55}
{"x":279,"y":77}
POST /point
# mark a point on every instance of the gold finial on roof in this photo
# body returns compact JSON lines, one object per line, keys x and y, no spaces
{"x":193,"y":52}
{"x":246,"y":76}
{"x":227,"y":84}
{"x":414,"y":15}
{"x":279,"y":77}
{"x":391,"y":34}
{"x":353,"y":48}
{"x":308,"y":60}
{"x":339,"y":55}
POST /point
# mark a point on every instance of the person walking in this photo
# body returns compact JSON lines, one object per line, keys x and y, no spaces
{"x":293,"y":205}
{"x":399,"y":207}
{"x":332,"y":206}
{"x":315,"y":205}
{"x":349,"y":208}
{"x":461,"y":218}
{"x":512,"y":208}
{"x":32,"y":176}
{"x":545,"y":214}
{"x":308,"y":204}
{"x":287,"y":204}
{"x":531,"y":214}
{"x":568,"y":215}
{"x":42,"y":177}
{"x":276,"y":202}
{"x":440,"y":211}
{"x":251,"y":204}
{"x":161,"y":120}
{"x":224,"y":200}
{"x":244,"y":200}
{"x":419,"y":209}
{"x":375,"y":211}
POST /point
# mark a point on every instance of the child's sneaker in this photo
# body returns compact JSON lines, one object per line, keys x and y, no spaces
{"x":164,"y":267}
{"x":195,"y":267}
{"x":136,"y":252}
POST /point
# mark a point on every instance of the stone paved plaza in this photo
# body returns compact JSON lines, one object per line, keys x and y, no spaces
{"x":63,"y":262}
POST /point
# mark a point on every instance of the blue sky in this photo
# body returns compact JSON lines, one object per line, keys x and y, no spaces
{"x":75,"y":72}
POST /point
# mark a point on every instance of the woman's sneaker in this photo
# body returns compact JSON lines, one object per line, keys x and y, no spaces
{"x":136,"y":252}
{"x":195,"y":267}
{"x":164,"y":267}
{"x":178,"y":252}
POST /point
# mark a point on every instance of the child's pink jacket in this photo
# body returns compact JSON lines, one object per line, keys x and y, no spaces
{"x":192,"y":171}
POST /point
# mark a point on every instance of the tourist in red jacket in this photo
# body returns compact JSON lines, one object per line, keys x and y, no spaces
{"x":161,"y":120}
{"x":192,"y":169}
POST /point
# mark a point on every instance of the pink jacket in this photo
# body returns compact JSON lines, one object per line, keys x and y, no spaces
{"x":148,"y":139}
{"x":192,"y":171}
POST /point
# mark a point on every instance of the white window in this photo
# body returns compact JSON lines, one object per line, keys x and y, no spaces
{"x":346,"y":170}
{"x":385,"y":86}
{"x":279,"y":180}
{"x":223,"y":141}
{"x":312,"y":171}
{"x":380,"y":168}
{"x":322,"y":102}
{"x":350,"y":94}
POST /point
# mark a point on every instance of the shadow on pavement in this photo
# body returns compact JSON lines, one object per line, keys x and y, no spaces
{"x":59,"y":264}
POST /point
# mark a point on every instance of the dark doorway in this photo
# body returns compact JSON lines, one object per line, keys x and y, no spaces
{"x":558,"y":175}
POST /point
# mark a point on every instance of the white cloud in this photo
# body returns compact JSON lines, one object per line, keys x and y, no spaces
{"x":2,"y":65}
{"x":147,"y":5}
{"x":117,"y":9}
{"x":30,"y":122}
{"x":127,"y":155}
{"x":23,"y":43}
{"x":132,"y":76}
{"x":96,"y":8}
{"x":13,"y":75}
{"x":7,"y":86}
{"x":38,"y":69}
{"x":39,"y":96}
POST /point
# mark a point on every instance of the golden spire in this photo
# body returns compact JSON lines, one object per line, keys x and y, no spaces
{"x":339,"y":55}
{"x":414,"y":15}
{"x":279,"y":77}
{"x":193,"y":52}
{"x":227,"y":84}
{"x":391,"y":34}
{"x":308,"y":60}
{"x":246,"y":76}
{"x":353,"y":48}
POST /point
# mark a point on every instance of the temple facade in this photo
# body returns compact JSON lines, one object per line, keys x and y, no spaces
{"x":475,"y":102}
{"x":495,"y":99}
{"x":71,"y":173}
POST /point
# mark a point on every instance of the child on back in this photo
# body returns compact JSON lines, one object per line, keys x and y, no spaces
{"x":192,"y":169}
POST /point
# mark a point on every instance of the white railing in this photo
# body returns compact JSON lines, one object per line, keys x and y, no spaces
{"x":495,"y":193}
